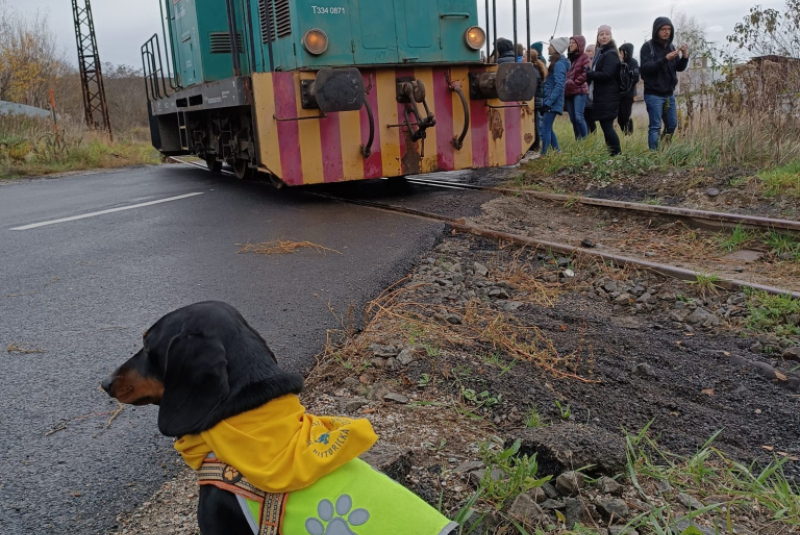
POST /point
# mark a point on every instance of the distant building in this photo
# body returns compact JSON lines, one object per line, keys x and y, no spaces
{"x":7,"y":108}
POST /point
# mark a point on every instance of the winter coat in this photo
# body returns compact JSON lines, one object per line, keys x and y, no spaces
{"x":633,"y":67}
{"x":505,"y":51}
{"x":554,"y":85}
{"x":576,"y":77}
{"x":604,"y":77}
{"x":659,"y":74}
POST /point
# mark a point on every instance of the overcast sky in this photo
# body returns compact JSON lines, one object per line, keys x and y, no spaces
{"x":122,"y":26}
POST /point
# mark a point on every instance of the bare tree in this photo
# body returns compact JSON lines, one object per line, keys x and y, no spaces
{"x":769,"y":32}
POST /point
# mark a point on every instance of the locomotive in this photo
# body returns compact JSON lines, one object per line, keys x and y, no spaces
{"x":319,"y":91}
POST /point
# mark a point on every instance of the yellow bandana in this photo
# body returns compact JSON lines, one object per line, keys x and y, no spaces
{"x":278,"y":447}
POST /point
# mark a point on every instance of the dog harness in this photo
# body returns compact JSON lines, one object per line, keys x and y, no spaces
{"x":353,"y":500}
{"x":294,"y":473}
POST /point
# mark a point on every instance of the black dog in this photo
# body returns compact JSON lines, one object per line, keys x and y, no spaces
{"x":201,"y":364}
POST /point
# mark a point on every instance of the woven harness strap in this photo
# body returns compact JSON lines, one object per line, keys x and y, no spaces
{"x":270,"y":506}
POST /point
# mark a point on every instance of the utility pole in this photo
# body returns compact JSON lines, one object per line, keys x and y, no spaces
{"x":576,"y":18}
{"x":94,"y":94}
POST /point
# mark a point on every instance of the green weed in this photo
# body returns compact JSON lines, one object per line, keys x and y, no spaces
{"x":706,"y":283}
{"x":773,"y":313}
{"x":738,"y":238}
{"x":784,"y":180}
{"x":517,"y":474}
{"x":533,"y":419}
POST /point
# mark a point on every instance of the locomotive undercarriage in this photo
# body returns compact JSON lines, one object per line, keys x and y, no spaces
{"x":219,"y":136}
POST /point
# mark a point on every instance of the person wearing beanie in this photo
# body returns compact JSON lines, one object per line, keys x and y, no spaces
{"x":505,"y":51}
{"x":538,"y":46}
{"x":603,"y":77}
{"x":553,"y":103}
{"x":626,"y":99}
{"x":577,"y":89}
{"x":660,"y":64}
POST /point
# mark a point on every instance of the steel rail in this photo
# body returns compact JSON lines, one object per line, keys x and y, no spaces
{"x":747,"y":221}
{"x":618,"y":260}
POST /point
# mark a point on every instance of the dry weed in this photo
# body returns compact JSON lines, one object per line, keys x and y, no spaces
{"x":282,"y":247}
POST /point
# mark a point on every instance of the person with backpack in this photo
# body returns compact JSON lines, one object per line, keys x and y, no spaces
{"x":553,"y":104}
{"x":660,"y":64}
{"x":626,"y":98}
{"x":604,"y":87}
{"x":577,"y":89}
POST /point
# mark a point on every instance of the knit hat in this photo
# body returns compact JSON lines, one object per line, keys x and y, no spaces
{"x":604,"y":27}
{"x":560,"y":44}
{"x":539,"y":47}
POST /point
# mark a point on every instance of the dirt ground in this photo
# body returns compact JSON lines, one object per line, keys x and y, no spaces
{"x":482,"y":336}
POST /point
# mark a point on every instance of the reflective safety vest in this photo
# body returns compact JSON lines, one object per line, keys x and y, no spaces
{"x":353,"y":500}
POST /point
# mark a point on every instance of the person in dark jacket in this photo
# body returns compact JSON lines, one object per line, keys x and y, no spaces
{"x":553,"y":104}
{"x":603,"y":78}
{"x":626,"y":99}
{"x":577,"y":89}
{"x":506,"y":52}
{"x":660,"y":64}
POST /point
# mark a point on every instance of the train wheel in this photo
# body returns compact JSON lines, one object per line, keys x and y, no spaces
{"x":214,"y":165}
{"x":242,"y":170}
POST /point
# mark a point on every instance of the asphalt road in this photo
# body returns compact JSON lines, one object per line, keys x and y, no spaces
{"x":76,"y":296}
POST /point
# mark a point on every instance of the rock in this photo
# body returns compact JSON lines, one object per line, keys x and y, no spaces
{"x":690,"y":502}
{"x":392,"y":460}
{"x":512,"y":306}
{"x":537,"y":494}
{"x":384,"y":351}
{"x":552,"y":505}
{"x":560,"y":447}
{"x":703,"y":317}
{"x":406,"y":357}
{"x":624,"y":299}
{"x":606,"y":485}
{"x":378,"y":391}
{"x":569,"y":483}
{"x":621,"y":530}
{"x":578,"y":511}
{"x":614,"y":511}
{"x":350,"y":406}
{"x":483,"y":522}
{"x":396,"y":398}
{"x":454,"y":319}
{"x":480,"y":269}
{"x":663,"y":487}
{"x":683,"y":525}
{"x":644,"y":298}
{"x":526,"y":510}
{"x":378,"y":362}
{"x":644,"y":370}
{"x":589,"y":244}
{"x":392,"y":364}
{"x":469,"y":466}
{"x":550,"y":490}
{"x":792,"y":353}
{"x":563,"y":261}
{"x":568,"y":273}
{"x":712,"y":192}
{"x":610,"y":286}
{"x":499,"y":293}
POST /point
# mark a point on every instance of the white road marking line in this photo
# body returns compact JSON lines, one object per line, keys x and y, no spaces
{"x":102,"y":212}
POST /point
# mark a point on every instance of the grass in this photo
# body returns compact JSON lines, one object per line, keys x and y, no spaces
{"x":736,"y":240}
{"x":29,"y":147}
{"x":517,"y":474}
{"x":534,"y":420}
{"x":783,"y":244}
{"x":706,"y":283}
{"x":783,"y":180}
{"x":774,"y":313}
{"x":705,"y":144}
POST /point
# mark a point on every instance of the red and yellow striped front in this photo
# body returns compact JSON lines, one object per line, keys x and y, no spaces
{"x":316,"y":150}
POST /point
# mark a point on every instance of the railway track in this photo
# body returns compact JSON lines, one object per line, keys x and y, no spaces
{"x":460,"y":225}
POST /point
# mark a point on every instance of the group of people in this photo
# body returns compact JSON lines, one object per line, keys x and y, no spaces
{"x":597,"y":84}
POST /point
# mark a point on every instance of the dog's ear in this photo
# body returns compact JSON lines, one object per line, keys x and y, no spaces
{"x":195,"y":383}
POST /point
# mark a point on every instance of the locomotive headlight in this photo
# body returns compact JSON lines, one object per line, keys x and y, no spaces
{"x":315,"y":41}
{"x":475,"y":38}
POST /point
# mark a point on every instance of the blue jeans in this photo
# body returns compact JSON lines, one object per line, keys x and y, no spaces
{"x":655,"y":109}
{"x":549,"y":138}
{"x":576,"y":105}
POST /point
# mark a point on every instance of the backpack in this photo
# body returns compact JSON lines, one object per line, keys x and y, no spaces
{"x":625,"y":78}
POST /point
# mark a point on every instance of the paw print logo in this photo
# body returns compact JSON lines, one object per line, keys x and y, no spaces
{"x":324,"y":439}
{"x":338,"y":523}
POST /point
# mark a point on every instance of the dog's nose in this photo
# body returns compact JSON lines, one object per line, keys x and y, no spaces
{"x":107,"y":384}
